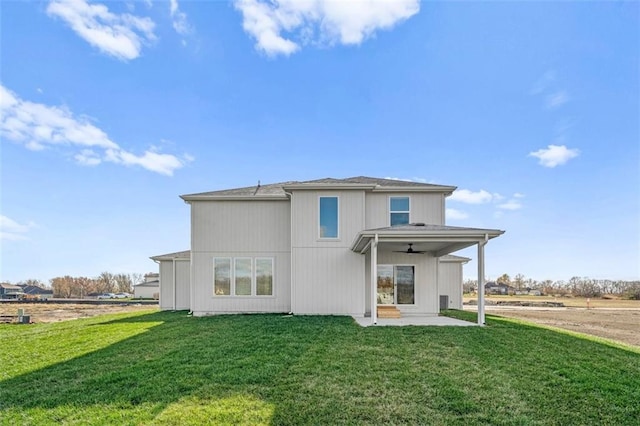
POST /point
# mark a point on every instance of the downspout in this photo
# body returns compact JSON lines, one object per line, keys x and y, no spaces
{"x":290,"y":195}
{"x":374,"y":277}
{"x":481,"y":244}
{"x":174,"y":284}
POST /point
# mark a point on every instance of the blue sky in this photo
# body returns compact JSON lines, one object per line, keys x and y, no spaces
{"x":110,"y":110}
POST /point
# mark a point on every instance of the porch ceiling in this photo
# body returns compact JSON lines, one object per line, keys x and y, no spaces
{"x":435,"y":239}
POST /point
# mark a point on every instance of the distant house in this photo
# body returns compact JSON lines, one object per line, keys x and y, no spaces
{"x":328,"y":246}
{"x":149,"y":288}
{"x":498,"y":288}
{"x":34,"y":291}
{"x":10,"y":291}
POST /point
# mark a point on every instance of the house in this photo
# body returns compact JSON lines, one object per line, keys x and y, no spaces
{"x":10,"y":291}
{"x":149,"y":288}
{"x":36,"y":292}
{"x":498,"y":288}
{"x":327,"y":246}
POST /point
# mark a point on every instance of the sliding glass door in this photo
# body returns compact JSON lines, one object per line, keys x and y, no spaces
{"x":396,"y":284}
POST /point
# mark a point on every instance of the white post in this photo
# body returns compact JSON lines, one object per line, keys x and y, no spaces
{"x":374,"y":281}
{"x":481,"y":282}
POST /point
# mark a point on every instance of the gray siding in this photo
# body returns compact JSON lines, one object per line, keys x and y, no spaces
{"x":327,"y":277}
{"x":240,"y":229}
{"x":166,"y":285}
{"x":425,"y":208}
{"x":450,"y":282}
{"x":182,"y":275}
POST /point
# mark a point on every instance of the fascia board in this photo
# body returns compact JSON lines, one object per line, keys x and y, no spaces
{"x":447,"y":190}
{"x":316,"y":186}
{"x":234,"y":198}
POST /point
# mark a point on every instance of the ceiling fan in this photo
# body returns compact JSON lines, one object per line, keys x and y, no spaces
{"x":410,"y":250}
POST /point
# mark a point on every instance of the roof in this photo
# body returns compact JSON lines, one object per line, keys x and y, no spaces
{"x":34,"y":289}
{"x":171,"y":256}
{"x":154,"y":283}
{"x":453,"y":258}
{"x":10,"y":286}
{"x":277,"y":191}
{"x":440,"y":240}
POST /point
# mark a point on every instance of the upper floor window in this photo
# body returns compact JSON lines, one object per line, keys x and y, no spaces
{"x":328,"y":217}
{"x":398,"y":210}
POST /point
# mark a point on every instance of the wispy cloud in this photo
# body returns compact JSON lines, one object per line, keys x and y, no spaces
{"x":39,"y":126}
{"x":455,"y":214}
{"x":512,"y":204}
{"x":554,"y":155}
{"x":119,"y":35}
{"x":180,"y":22}
{"x":470,"y":197}
{"x":275,"y":25}
{"x":10,"y":230}
{"x":556,"y":99}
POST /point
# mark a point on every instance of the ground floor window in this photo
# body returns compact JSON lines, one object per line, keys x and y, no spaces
{"x":243,"y":276}
{"x":396,"y":284}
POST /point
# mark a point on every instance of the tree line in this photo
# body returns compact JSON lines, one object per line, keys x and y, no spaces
{"x":78,"y":287}
{"x":576,"y":286}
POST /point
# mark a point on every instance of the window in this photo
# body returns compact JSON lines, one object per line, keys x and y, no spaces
{"x":248,"y":276}
{"x":264,"y":277}
{"x":243,"y":276}
{"x":328,"y":217}
{"x":222,"y":276}
{"x":398,"y":210}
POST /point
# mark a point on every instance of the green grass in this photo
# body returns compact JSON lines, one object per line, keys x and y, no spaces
{"x":162,"y":368}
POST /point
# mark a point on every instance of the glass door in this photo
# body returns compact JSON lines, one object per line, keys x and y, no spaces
{"x":396,"y":284}
{"x":386,"y":285}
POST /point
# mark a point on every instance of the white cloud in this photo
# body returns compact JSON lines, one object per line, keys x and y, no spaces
{"x":512,"y":204}
{"x":556,"y":99}
{"x":470,"y":197}
{"x":120,"y":36}
{"x":319,"y":21}
{"x":518,"y":195}
{"x":547,"y":79}
{"x":455,"y":214}
{"x":12,"y":230}
{"x":180,"y":23}
{"x":555,"y":155}
{"x":39,"y":126}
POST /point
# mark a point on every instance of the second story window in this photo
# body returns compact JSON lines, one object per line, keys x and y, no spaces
{"x":328,"y":217}
{"x":398,"y":210}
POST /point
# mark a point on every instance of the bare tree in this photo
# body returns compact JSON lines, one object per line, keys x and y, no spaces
{"x":124,"y":282}
{"x":106,"y":283}
{"x":62,"y":286}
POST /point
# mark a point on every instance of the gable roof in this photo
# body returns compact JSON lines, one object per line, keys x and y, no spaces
{"x":279,"y":190}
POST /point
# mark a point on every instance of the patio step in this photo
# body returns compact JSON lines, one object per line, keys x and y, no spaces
{"x":388,"y":311}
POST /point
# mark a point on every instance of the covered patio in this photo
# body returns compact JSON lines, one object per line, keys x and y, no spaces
{"x":415,"y":239}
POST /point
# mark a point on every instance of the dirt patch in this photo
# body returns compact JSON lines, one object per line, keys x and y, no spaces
{"x":52,"y":312}
{"x":622,"y":324}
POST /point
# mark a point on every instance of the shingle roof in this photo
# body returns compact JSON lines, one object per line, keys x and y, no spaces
{"x":277,"y":189}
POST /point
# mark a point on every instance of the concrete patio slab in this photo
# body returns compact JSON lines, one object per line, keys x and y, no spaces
{"x":415,"y":320}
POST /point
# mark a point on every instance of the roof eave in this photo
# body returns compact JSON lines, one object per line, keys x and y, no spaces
{"x":234,"y":197}
{"x":312,"y":186}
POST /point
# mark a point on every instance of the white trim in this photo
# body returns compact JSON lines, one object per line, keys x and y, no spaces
{"x":337,"y":237}
{"x":389,"y":211}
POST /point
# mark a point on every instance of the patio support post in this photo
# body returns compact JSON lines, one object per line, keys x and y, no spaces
{"x":481,"y":245}
{"x":374,"y":281}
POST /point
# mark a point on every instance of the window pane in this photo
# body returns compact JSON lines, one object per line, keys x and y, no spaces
{"x":399,"y":218}
{"x":243,"y":277}
{"x":328,"y":217}
{"x":405,"y":284}
{"x":264,"y":277}
{"x":399,"y":204}
{"x":222,"y":277}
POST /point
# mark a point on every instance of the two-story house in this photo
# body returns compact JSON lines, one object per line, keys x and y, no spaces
{"x":327,"y":246}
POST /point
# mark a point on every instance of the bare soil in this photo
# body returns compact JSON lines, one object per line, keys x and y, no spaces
{"x":53,"y":312}
{"x":613,"y":319}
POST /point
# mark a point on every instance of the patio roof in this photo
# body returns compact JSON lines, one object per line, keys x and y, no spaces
{"x":438,"y":240}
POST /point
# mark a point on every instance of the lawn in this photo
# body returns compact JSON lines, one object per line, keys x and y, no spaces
{"x":165,"y":368}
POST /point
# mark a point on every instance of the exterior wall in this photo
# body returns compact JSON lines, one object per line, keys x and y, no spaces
{"x":145,"y":292}
{"x":327,"y":277}
{"x":166,"y":285}
{"x":175,"y":284}
{"x":450,"y":283}
{"x":240,"y":229}
{"x":425,"y":208}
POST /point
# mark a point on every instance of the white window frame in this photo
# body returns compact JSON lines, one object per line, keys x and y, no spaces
{"x":395,"y":284}
{"x":235,"y":278}
{"x":399,"y":211}
{"x":337,"y":237}
{"x":232,"y":277}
